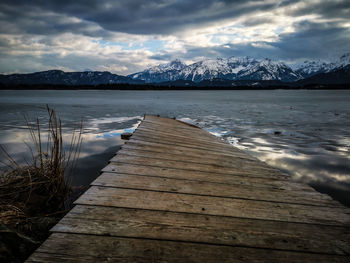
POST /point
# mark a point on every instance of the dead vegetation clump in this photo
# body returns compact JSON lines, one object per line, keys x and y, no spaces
{"x":34,"y":195}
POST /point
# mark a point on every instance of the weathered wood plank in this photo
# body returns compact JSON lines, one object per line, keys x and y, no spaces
{"x":157,"y":146}
{"x":169,"y":121}
{"x":213,"y":189}
{"x":89,"y":248}
{"x":230,"y":163}
{"x":204,"y":229}
{"x":130,"y":198}
{"x":198,"y":138}
{"x":179,"y":131}
{"x":173,"y":125}
{"x":248,"y":170}
{"x":256,"y":181}
{"x":179,"y":143}
{"x":175,"y":128}
{"x":178,"y":127}
{"x":161,"y":148}
{"x":149,"y":136}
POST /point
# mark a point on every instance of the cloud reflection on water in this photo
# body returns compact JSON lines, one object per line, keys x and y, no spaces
{"x":312,"y":143}
{"x":306,"y":158}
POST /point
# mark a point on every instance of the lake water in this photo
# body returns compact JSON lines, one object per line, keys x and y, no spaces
{"x":303,"y":133}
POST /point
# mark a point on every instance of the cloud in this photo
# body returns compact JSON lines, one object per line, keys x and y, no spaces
{"x":126,"y":35}
{"x":69,"y":52}
{"x":325,"y":8}
{"x":310,"y":40}
{"x":128,"y":16}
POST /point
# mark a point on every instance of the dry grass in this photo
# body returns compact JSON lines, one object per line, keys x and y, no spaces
{"x":42,"y":186}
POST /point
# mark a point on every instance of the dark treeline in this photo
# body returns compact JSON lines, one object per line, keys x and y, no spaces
{"x":166,"y":87}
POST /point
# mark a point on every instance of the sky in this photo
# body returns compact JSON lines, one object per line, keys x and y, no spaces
{"x":127,"y":36}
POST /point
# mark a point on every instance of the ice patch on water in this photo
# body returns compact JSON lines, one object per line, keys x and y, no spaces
{"x":115,"y":133}
{"x":98,"y":121}
{"x":218,"y":132}
{"x":233,"y":141}
{"x":188,"y":120}
{"x":96,"y":125}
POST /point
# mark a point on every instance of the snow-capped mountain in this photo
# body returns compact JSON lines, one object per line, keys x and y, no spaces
{"x":337,"y":76}
{"x":160,"y":73}
{"x":268,"y":70}
{"x":344,"y":60}
{"x":58,"y":77}
{"x":234,"y":68}
{"x":216,"y":68}
{"x":311,"y":68}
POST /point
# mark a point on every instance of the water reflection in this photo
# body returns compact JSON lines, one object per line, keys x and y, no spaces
{"x":100,"y":144}
{"x":306,"y":159}
{"x":304,"y":133}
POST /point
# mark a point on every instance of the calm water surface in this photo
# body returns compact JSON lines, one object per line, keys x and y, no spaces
{"x":304,"y":133}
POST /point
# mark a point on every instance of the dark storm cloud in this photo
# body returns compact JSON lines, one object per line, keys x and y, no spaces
{"x":253,"y":21}
{"x":23,"y":22}
{"x":325,"y":8}
{"x":34,"y":20}
{"x":149,"y":17}
{"x":315,"y":40}
{"x":311,"y":41}
{"x":129,"y":16}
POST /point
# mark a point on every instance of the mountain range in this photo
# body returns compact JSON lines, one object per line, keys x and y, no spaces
{"x":237,"y":68}
{"x":242,"y":68}
{"x":59,"y":77}
{"x":232,"y":71}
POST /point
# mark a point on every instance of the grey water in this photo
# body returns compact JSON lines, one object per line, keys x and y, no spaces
{"x":304,"y":133}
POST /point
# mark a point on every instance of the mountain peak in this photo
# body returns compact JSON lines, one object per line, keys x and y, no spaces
{"x":344,"y":59}
{"x":176,"y":62}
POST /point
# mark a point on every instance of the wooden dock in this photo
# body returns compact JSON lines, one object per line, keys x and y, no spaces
{"x":175,"y":193}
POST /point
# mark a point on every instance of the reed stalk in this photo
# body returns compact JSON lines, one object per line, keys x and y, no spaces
{"x":43,"y":185}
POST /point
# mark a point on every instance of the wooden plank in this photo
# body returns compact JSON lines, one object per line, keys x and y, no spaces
{"x":130,"y":198}
{"x":174,"y":128}
{"x":162,"y":225}
{"x":255,"y":181}
{"x":220,"y":166}
{"x":157,"y":146}
{"x":199,"y":137}
{"x":186,"y":153}
{"x":213,"y":189}
{"x":178,"y":127}
{"x":205,"y":145}
{"x":89,"y":248}
{"x":189,"y":132}
{"x":248,"y":170}
{"x":180,"y":131}
{"x":229,"y":163}
{"x":174,"y":124}
{"x":169,"y":121}
{"x":171,"y":144}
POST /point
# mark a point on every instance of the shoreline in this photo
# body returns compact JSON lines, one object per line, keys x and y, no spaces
{"x":170,"y":87}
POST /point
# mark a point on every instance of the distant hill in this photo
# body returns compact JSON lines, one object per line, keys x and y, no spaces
{"x":311,"y":68}
{"x":337,"y":76}
{"x":58,"y":77}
